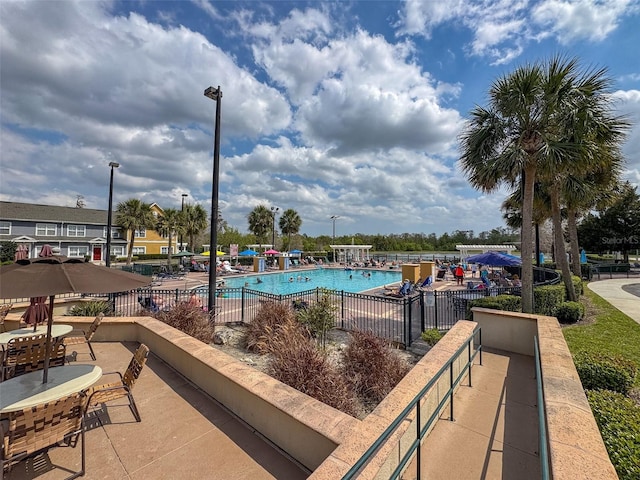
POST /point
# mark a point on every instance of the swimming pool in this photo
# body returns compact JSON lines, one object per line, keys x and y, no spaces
{"x":294,"y":281}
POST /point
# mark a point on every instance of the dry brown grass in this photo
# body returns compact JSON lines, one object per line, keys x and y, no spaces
{"x":189,"y":319}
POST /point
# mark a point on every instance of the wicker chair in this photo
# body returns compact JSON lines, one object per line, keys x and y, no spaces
{"x":39,"y":428}
{"x":26,"y":354}
{"x":78,"y":337}
{"x":4,"y":309}
{"x":121,"y":388}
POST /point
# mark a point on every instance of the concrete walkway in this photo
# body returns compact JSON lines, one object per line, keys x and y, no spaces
{"x":612,"y":291}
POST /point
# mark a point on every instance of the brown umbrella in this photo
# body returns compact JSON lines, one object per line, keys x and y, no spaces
{"x":36,"y":312}
{"x":49,"y":276}
{"x":22,"y":252}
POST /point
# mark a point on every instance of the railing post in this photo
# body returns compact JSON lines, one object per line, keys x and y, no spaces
{"x":469,"y":359}
{"x":451,"y":391}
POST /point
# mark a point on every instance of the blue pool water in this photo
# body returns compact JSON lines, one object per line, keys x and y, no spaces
{"x":331,"y":278}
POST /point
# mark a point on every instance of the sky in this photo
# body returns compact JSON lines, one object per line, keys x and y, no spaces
{"x":344,"y":108}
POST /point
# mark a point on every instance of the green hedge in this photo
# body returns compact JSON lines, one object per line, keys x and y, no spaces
{"x":569,"y":312}
{"x":547,"y":298}
{"x":600,"y":371}
{"x":508,"y":303}
{"x":618,"y":418}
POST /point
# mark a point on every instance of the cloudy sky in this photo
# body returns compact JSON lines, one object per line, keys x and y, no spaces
{"x":335,"y":108}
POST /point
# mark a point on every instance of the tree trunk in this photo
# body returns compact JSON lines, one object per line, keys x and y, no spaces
{"x":130,"y":252}
{"x":572,"y":226}
{"x":169,"y":252}
{"x":561,"y":252}
{"x":526,"y":239}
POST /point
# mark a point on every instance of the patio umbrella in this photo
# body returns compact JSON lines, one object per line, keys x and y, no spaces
{"x":208,"y":253}
{"x":184,"y":253}
{"x":22,"y":252}
{"x":49,"y":276}
{"x":248,"y":253}
{"x":495,"y":259}
{"x":271,"y":252}
{"x":36,"y":312}
{"x":296,"y":252}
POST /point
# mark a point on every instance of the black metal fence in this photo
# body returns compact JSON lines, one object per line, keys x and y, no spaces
{"x":398,"y":320}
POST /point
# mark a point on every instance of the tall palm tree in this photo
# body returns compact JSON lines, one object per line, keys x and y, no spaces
{"x":535,"y":126}
{"x":133,"y":215}
{"x":260,"y":221}
{"x":194,"y":222}
{"x":290,"y":223}
{"x":170,"y":224}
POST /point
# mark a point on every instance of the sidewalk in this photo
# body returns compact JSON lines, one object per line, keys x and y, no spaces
{"x":612,"y":292}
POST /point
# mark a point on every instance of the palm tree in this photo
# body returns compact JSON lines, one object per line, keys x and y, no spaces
{"x":134,"y":215}
{"x":290,"y":223}
{"x":260,"y":221}
{"x":170,"y":224}
{"x":194,"y":222}
{"x":534,"y":128}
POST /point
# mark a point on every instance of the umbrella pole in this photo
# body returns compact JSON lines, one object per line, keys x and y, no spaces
{"x":47,"y":353}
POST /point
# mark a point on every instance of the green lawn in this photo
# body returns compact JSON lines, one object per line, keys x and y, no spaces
{"x":611,"y":332}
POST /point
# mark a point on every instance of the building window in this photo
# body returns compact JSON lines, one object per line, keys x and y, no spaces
{"x":139,"y":250}
{"x":115,"y":233}
{"x":117,"y":251}
{"x":5,"y":228}
{"x":165,"y":250}
{"x":140,"y":233}
{"x":76,"y":230}
{"x":75,"y":251}
{"x":46,"y":229}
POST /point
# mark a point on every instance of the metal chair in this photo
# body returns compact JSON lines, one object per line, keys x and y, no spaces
{"x":36,"y":429}
{"x":121,"y":388}
{"x":26,"y":354}
{"x":78,"y":337}
{"x":4,"y":310}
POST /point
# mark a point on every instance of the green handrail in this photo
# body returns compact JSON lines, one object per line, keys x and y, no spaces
{"x":421,"y":432}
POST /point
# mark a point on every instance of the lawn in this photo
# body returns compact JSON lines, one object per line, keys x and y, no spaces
{"x":608,"y":330}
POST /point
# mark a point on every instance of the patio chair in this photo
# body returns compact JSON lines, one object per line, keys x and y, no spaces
{"x":36,"y":429}
{"x":121,"y":388}
{"x":441,"y":273}
{"x":4,"y":310}
{"x":26,"y":354}
{"x":78,"y":337}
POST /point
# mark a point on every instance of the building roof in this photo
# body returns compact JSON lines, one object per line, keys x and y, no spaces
{"x":51,"y":213}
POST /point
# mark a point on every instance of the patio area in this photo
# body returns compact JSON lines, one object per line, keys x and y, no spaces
{"x":183,"y":434}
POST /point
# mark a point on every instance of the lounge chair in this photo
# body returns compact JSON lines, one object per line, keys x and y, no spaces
{"x":441,"y":273}
{"x":426,"y":285}
{"x":403,"y":290}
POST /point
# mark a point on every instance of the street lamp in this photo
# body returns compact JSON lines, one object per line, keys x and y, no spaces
{"x":274,"y":212}
{"x":110,"y":214}
{"x":184,"y":195}
{"x":216,"y":95}
{"x":334,"y":218}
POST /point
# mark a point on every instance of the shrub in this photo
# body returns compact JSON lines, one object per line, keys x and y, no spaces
{"x":296,"y":361}
{"x":599,"y":371}
{"x":569,"y":312}
{"x":320,"y":316}
{"x":618,"y":418}
{"x":431,"y":336}
{"x":91,"y":309}
{"x":269,"y":318}
{"x":189,"y":319}
{"x":371,"y":367}
{"x":548,"y":297}
{"x":508,"y":303}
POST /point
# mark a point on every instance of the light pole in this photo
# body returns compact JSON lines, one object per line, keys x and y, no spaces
{"x":334,"y":218}
{"x":216,"y":95}
{"x":184,"y":195}
{"x":274,"y":212}
{"x":110,"y":214}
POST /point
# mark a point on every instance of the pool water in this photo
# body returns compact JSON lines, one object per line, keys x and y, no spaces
{"x":294,"y":281}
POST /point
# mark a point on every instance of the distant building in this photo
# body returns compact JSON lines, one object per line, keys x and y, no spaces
{"x":77,"y":232}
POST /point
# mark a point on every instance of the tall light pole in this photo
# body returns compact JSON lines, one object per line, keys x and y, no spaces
{"x":184,"y":195}
{"x":274,"y":212}
{"x":110,"y":214}
{"x":216,"y":95}
{"x":334,"y":218}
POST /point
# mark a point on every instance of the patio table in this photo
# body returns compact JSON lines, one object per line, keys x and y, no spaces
{"x":28,"y":390}
{"x":57,"y":330}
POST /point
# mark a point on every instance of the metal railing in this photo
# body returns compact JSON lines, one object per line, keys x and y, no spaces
{"x":414,"y":450}
{"x":543,"y":445}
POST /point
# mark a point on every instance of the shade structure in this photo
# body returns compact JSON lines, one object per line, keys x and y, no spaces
{"x":50,"y":276}
{"x":271,"y":252}
{"x":248,"y":253}
{"x":495,"y":259}
{"x":183,"y":254}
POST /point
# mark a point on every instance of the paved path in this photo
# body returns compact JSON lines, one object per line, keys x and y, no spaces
{"x":619,"y":292}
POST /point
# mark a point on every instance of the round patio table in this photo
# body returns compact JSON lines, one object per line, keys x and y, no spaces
{"x":27,"y":390}
{"x":57,"y":330}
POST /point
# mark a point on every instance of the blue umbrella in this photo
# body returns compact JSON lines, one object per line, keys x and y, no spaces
{"x":248,"y":253}
{"x":583,"y":256}
{"x":495,"y":259}
{"x":296,"y":252}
